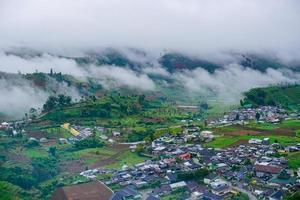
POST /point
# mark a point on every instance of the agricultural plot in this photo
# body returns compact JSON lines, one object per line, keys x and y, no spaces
{"x":284,"y":133}
{"x":294,"y":160}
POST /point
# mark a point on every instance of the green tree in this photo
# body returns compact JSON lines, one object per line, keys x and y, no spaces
{"x":257,"y":116}
{"x":52,"y":151}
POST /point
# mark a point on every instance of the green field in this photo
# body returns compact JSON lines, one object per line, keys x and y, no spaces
{"x":224,"y":138}
{"x":225,"y":141}
{"x":36,"y":153}
{"x":127,"y":158}
{"x":294,"y":124}
{"x":294,"y":160}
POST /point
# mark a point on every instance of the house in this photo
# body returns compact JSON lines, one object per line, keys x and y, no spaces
{"x":172,"y":177}
{"x":211,"y":196}
{"x":43,"y":140}
{"x":277,"y":195}
{"x":151,"y":197}
{"x":255,"y":141}
{"x":92,"y":191}
{"x":116,"y":133}
{"x":178,"y":185}
{"x":163,"y":189}
{"x":206,"y":135}
{"x":4,"y":125}
{"x":210,"y":178}
{"x":271,"y":169}
{"x":185,"y":156}
{"x":266,"y":141}
{"x":63,"y":141}
{"x":127,"y":193}
{"x":133,"y":147}
{"x":195,"y":187}
{"x":221,"y":190}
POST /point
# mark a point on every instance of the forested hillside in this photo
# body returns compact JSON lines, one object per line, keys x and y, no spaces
{"x":285,"y":96}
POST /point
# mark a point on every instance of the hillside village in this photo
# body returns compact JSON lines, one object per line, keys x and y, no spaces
{"x":222,"y":172}
{"x":271,"y":114}
{"x":183,"y":165}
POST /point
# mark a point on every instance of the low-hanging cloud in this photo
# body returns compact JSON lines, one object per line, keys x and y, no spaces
{"x":17,"y":99}
{"x":228,"y":84}
{"x":44,"y":63}
{"x":113,"y":76}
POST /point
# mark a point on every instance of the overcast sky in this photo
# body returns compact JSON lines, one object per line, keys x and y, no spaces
{"x":186,"y":25}
{"x":210,"y":28}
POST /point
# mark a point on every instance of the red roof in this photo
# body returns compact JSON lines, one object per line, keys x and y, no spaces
{"x":268,"y":169}
{"x":185,"y":156}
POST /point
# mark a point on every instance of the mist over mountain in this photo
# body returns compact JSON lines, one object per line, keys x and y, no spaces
{"x":184,"y":49}
{"x":223,"y":77}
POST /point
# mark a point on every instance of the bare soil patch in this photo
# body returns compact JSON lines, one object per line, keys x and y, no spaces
{"x":78,"y":165}
{"x":72,"y":166}
{"x":244,"y":132}
{"x":36,"y":134}
{"x":256,"y":132}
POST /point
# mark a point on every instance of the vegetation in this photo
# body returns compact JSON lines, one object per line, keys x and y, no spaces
{"x":294,"y":160}
{"x":240,"y":196}
{"x":286,"y":96}
{"x":196,"y":175}
{"x":90,"y":142}
{"x":29,"y":168}
{"x":225,"y":141}
{"x":9,"y":191}
{"x":294,"y":196}
{"x":127,"y":158}
{"x":54,"y":102}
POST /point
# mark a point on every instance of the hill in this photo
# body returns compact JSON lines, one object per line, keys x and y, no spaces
{"x":285,"y":96}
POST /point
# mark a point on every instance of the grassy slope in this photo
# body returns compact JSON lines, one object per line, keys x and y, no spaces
{"x":294,"y":160}
{"x":9,"y":191}
{"x":287,"y":96}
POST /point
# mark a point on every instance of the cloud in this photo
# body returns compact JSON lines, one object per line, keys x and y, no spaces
{"x":18,"y":94}
{"x":45,"y":62}
{"x":143,"y":30}
{"x":228,"y":84}
{"x":109,"y":76}
{"x":16,"y":99}
{"x":195,"y":26}
{"x":113,"y":76}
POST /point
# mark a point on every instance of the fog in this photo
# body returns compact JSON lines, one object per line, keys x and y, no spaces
{"x":143,"y":30}
{"x":195,"y":26}
{"x":230,"y":83}
{"x":16,"y":99}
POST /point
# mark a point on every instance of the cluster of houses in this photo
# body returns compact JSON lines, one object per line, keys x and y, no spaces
{"x":256,"y":168}
{"x":5,"y":125}
{"x":80,"y":132}
{"x":271,"y":114}
{"x":13,"y":128}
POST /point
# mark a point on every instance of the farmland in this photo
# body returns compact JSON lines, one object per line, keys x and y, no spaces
{"x":294,"y":160}
{"x":284,"y":133}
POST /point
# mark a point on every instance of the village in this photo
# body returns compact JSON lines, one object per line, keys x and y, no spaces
{"x":270,"y":114}
{"x":224,"y":172}
{"x":183,"y":166}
